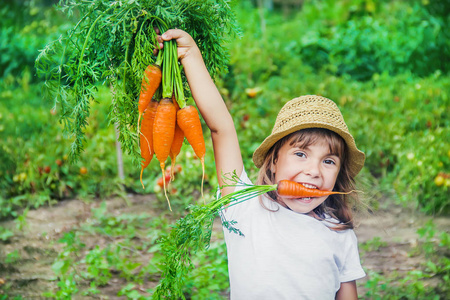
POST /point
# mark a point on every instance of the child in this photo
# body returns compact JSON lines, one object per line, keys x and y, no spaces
{"x":292,"y":248}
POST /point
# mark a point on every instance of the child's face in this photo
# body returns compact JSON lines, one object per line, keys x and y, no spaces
{"x":313,"y":166}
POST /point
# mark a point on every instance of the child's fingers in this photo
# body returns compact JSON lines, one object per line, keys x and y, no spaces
{"x":183,"y":39}
{"x":159,"y":45}
{"x":173,"y":34}
{"x":168,"y":35}
{"x":160,"y":41}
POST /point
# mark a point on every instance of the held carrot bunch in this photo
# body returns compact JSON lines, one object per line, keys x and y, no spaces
{"x":174,"y":119}
{"x":165,"y":118}
{"x":113,"y":44}
{"x":165,"y":125}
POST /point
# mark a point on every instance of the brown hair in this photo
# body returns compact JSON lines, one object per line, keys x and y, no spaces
{"x":336,"y":206}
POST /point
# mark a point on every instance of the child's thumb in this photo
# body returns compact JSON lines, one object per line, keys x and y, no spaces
{"x":172,"y":34}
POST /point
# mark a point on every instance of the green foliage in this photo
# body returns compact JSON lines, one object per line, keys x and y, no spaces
{"x":25,"y":27}
{"x":65,"y":267}
{"x":402,"y":42}
{"x":5,"y":234}
{"x":356,"y":38}
{"x":111,"y":44}
{"x":417,"y":284}
{"x":123,"y":240}
{"x":12,"y":257}
{"x":372,"y":245}
{"x":130,"y":292}
{"x":209,"y":279}
{"x":409,"y":148}
{"x":7,"y":297}
{"x":36,"y":168}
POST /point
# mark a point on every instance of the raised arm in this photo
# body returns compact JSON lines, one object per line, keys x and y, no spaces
{"x":227,"y":153}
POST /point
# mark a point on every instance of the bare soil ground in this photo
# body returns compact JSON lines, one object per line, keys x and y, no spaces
{"x":38,"y":247}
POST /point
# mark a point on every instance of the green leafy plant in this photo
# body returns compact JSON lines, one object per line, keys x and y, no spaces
{"x":5,"y":234}
{"x":373,"y":245}
{"x":24,"y":27}
{"x":12,"y":257}
{"x":209,"y":279}
{"x":130,"y":292}
{"x":65,"y":267}
{"x":192,"y":234}
{"x":112,"y":43}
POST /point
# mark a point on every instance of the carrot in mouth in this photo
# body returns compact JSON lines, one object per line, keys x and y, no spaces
{"x":295,"y":189}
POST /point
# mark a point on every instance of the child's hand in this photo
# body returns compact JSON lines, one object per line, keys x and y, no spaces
{"x":186,"y":44}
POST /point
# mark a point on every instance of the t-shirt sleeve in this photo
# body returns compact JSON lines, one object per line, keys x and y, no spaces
{"x":351,"y":269}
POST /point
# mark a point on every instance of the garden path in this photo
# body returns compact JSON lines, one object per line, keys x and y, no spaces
{"x":386,"y":239}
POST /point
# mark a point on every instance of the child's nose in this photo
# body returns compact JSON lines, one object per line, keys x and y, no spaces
{"x":312,"y":169}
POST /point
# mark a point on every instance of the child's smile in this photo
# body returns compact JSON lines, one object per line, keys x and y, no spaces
{"x":313,"y":166}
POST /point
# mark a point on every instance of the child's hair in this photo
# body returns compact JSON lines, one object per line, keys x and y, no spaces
{"x":335,"y":206}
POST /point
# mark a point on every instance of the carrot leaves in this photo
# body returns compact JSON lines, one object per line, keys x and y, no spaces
{"x":111,"y":44}
{"x":192,"y":233}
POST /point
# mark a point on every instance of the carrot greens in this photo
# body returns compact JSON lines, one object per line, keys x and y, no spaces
{"x":192,"y":234}
{"x":111,"y":44}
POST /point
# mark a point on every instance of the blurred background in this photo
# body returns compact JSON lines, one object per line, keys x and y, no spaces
{"x":385,"y":63}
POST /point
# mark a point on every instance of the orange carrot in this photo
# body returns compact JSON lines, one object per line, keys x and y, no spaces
{"x":189,"y":121}
{"x":146,"y":136}
{"x":150,"y":83}
{"x":177,"y":143}
{"x":163,"y":133}
{"x":295,"y":189}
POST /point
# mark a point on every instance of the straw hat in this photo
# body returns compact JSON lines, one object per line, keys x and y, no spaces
{"x":310,"y":111}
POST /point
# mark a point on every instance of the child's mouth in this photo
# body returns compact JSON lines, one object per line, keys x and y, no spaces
{"x":305,"y":200}
{"x":309,"y":186}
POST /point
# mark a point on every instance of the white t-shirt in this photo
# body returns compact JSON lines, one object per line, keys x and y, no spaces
{"x":286,"y":255}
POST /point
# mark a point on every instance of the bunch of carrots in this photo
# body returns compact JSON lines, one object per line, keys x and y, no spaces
{"x":166,"y":119}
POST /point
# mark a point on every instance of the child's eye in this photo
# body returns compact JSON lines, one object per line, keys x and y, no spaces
{"x":300,"y":154}
{"x":329,"y":162}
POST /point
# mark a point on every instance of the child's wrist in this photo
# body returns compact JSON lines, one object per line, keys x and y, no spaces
{"x":193,"y":55}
